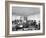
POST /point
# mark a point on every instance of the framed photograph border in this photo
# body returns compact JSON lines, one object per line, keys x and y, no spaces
{"x":7,"y":19}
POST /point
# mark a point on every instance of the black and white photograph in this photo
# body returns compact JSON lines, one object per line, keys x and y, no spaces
{"x":25,"y":18}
